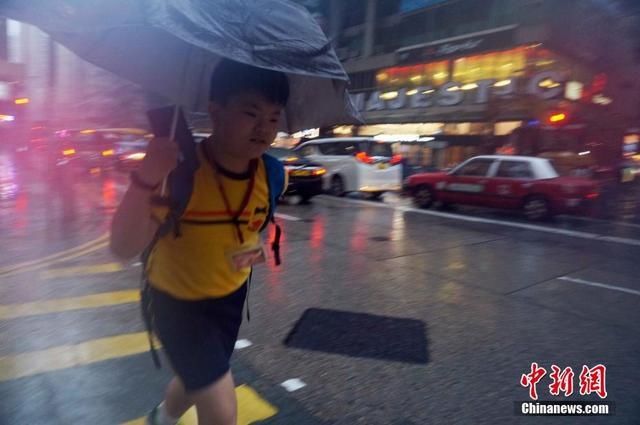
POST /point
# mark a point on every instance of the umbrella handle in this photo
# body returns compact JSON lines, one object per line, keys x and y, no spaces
{"x":172,"y":136}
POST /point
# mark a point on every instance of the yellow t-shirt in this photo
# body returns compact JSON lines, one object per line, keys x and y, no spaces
{"x":196,"y":265}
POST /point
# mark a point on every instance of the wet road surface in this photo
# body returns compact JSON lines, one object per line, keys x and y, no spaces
{"x":438,"y":317}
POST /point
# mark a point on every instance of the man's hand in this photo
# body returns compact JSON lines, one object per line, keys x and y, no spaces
{"x":160,"y":160}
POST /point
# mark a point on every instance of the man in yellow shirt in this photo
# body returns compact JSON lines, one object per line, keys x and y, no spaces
{"x":198,"y":281}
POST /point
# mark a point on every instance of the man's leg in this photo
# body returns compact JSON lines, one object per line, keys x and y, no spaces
{"x":216,"y":404}
{"x":176,"y":400}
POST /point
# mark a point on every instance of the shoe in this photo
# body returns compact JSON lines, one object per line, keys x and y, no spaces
{"x":152,"y":417}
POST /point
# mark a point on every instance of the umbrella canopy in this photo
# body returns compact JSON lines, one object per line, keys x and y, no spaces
{"x":170,"y":47}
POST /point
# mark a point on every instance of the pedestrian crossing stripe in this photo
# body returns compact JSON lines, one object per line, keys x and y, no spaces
{"x":14,"y":311}
{"x":251,"y":408}
{"x":81,"y":271}
{"x":42,"y":264}
{"x":50,"y":259}
{"x":68,"y":356}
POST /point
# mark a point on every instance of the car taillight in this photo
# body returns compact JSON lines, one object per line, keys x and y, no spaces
{"x":396,"y":159}
{"x":592,"y":195}
{"x":68,"y":152}
{"x":319,"y":172}
{"x":364,"y":158}
{"x":108,"y":152}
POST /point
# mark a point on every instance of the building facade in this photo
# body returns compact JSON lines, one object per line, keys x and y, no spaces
{"x":64,"y":91}
{"x":477,"y":76}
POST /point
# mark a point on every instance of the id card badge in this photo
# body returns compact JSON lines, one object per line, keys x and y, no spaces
{"x":246,"y":257}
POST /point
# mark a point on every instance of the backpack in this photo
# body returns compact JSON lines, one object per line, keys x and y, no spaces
{"x":180,"y":183}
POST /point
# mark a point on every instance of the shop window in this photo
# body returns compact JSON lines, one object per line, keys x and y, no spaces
{"x":506,"y":127}
{"x":496,"y":65}
{"x":431,"y":74}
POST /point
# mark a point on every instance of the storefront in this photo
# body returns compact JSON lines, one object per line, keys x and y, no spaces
{"x":475,"y":90}
{"x":12,"y":105}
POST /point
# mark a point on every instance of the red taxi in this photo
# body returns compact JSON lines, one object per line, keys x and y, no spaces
{"x":526,"y":183}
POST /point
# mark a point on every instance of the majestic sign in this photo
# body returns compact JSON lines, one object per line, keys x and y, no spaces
{"x":544,"y":85}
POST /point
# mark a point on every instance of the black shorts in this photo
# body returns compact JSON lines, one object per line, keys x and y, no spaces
{"x":198,"y":337}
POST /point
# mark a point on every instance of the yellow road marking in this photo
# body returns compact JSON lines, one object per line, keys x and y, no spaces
{"x":68,"y":356}
{"x":81,"y":271}
{"x":14,"y":311}
{"x":251,"y":408}
{"x":13,"y":267}
{"x":54,"y":261}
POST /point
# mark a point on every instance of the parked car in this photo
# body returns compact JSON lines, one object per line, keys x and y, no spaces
{"x":529,"y":184}
{"x":305,"y":177}
{"x":359,"y":164}
{"x":89,"y":150}
{"x":130,"y":153}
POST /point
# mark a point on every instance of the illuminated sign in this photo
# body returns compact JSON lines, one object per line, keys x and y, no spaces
{"x":453,"y":94}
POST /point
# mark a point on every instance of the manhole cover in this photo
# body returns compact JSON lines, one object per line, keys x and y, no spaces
{"x":360,"y":335}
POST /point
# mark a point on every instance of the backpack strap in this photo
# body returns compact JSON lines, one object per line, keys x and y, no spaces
{"x":180,"y":183}
{"x":276,"y":179}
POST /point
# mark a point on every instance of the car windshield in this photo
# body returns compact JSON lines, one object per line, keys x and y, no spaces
{"x":380,"y":149}
{"x":282,"y":154}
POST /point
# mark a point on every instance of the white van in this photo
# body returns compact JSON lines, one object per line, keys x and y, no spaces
{"x":355,"y":164}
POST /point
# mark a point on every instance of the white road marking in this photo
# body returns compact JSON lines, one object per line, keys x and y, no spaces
{"x":600,"y":285}
{"x":572,"y":233}
{"x":292,"y":385}
{"x":288,"y":217}
{"x":242,"y":343}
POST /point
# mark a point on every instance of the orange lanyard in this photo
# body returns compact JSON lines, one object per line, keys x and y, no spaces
{"x":235,"y":216}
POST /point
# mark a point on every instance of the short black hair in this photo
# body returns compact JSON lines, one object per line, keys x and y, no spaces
{"x":230,"y":78}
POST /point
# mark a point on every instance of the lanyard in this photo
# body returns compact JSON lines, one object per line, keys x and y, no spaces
{"x":235,"y":216}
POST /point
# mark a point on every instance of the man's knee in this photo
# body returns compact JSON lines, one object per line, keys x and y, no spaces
{"x":216,"y":404}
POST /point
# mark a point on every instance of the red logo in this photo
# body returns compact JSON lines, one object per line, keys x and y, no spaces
{"x":591,"y":380}
{"x":594,"y":380}
{"x":531,"y":380}
{"x":562,"y":381}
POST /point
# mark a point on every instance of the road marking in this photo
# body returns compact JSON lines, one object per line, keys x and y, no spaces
{"x":242,"y":343}
{"x":68,"y":356}
{"x":51,"y":257}
{"x":81,"y":271}
{"x":537,"y":228}
{"x":251,"y":408}
{"x":600,"y":285}
{"x":36,"y":308}
{"x":292,"y":385}
{"x":288,"y":217}
{"x":48,"y":263}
